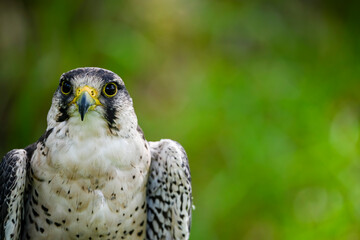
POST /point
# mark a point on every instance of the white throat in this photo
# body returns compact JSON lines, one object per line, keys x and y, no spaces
{"x":89,"y":148}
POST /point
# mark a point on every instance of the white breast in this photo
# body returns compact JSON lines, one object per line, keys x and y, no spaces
{"x":91,"y":181}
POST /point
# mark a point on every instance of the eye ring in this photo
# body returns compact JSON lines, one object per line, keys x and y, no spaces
{"x":110,"y":89}
{"x":66,"y":87}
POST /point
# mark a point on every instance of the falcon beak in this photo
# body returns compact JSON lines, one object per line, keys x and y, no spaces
{"x":86,"y":99}
{"x":84,"y":102}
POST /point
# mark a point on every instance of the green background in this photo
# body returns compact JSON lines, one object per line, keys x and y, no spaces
{"x":263,"y":95}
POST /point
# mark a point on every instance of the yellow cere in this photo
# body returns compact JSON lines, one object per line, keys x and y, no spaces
{"x":92,"y":91}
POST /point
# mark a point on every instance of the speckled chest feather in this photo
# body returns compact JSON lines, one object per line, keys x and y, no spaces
{"x":88,"y":184}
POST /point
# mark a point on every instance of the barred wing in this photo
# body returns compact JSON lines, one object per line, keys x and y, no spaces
{"x":12,"y":179}
{"x":169,"y":198}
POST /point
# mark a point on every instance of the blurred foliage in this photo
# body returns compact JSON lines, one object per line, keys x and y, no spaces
{"x":263,"y":95}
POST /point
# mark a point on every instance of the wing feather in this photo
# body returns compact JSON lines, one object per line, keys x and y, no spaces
{"x":169,"y":194}
{"x":13,"y":168}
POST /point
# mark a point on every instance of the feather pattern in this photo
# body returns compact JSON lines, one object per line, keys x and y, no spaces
{"x":169,"y":194}
{"x":12,"y":189}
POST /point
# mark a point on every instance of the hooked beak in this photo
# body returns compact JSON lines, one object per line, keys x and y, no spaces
{"x":84,"y":102}
{"x":86,"y":99}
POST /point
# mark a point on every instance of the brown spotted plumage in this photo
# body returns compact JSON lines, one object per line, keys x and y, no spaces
{"x":93,"y":175}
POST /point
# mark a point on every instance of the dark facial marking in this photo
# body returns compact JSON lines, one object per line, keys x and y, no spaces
{"x":110,"y":114}
{"x":111,"y":109}
{"x":63,"y":116}
{"x":65,"y":99}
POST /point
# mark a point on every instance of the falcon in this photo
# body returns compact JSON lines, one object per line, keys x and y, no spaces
{"x":93,"y":175}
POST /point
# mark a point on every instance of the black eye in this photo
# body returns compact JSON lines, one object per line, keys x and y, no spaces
{"x":66,"y":87}
{"x":110,"y":89}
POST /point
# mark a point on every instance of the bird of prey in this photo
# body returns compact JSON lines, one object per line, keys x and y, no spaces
{"x":93,"y":175}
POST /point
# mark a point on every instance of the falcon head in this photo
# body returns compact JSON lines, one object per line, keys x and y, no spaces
{"x":91,"y":94}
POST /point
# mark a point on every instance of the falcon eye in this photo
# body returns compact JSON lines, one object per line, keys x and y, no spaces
{"x":66,"y":87}
{"x":110,"y":89}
